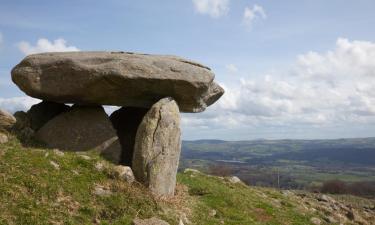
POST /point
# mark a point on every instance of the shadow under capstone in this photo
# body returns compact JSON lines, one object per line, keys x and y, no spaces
{"x":126,"y":121}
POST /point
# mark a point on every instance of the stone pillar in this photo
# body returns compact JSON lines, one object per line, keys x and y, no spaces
{"x":158,"y":147}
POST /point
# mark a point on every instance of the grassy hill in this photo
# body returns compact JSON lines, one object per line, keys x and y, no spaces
{"x":40,"y":186}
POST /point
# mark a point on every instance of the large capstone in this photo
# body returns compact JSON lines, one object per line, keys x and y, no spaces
{"x":157,"y":148}
{"x":82,"y":128}
{"x":117,"y":78}
{"x":126,"y":121}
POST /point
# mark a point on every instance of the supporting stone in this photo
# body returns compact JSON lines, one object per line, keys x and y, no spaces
{"x":126,"y":122}
{"x":80,"y":129}
{"x":158,"y":147}
{"x":43,"y":112}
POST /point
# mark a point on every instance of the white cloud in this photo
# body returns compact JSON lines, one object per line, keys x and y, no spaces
{"x":1,"y":38}
{"x":44,"y":45}
{"x":213,"y":8}
{"x":231,"y":68}
{"x":321,"y":90}
{"x":251,"y":14}
{"x":17,"y":103}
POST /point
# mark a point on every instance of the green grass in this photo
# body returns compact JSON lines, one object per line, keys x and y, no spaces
{"x":239,"y":204}
{"x":33,"y":191}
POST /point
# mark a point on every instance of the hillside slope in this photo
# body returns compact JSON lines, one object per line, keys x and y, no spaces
{"x":40,"y":186}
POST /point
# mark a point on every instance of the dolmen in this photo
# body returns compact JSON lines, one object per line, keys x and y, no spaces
{"x":144,"y":133}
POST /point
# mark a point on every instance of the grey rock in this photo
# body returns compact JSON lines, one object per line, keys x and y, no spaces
{"x":151,"y":221}
{"x":26,"y":134}
{"x":325,"y":198}
{"x":126,"y":121}
{"x":125,"y":173}
{"x":3,"y":138}
{"x":43,"y":112}
{"x":85,"y":157}
{"x":350,"y":215}
{"x":58,"y":152}
{"x":184,"y":219}
{"x":7,"y":121}
{"x":234,"y":180}
{"x":22,"y":128}
{"x":101,"y":191}
{"x":80,"y":129}
{"x":110,"y":150}
{"x":189,"y":170}
{"x":330,"y":219}
{"x":100,"y":166}
{"x":212,"y":213}
{"x":157,"y":148}
{"x":315,"y":220}
{"x":117,"y":78}
{"x":22,"y":121}
{"x":55,"y":165}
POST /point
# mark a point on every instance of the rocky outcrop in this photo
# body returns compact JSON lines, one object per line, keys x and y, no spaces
{"x":7,"y":121}
{"x":331,"y":209}
{"x":80,"y":129}
{"x":43,"y":112}
{"x":158,"y":147}
{"x":117,"y":78}
{"x":126,"y":121}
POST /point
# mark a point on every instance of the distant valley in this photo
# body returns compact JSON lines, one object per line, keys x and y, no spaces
{"x":296,"y":164}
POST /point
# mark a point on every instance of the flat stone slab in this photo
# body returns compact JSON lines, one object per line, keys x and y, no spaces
{"x":117,"y":78}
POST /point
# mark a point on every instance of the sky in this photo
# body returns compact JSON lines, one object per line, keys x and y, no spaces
{"x":291,"y":69}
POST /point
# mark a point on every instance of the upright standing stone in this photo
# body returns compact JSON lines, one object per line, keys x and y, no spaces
{"x":157,"y":148}
{"x":80,"y":129}
{"x":126,"y":121}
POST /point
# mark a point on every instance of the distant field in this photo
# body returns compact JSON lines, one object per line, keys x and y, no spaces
{"x":286,"y":163}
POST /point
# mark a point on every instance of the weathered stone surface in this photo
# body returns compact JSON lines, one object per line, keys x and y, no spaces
{"x":125,"y":173}
{"x":110,"y":150}
{"x":117,"y":78}
{"x":126,"y":121}
{"x":41,"y":113}
{"x":3,"y":138}
{"x":22,"y":121}
{"x":80,"y":129}
{"x":316,"y":221}
{"x":6,"y":120}
{"x":157,"y":148}
{"x":151,"y":221}
{"x":234,"y":180}
{"x":102,"y":191}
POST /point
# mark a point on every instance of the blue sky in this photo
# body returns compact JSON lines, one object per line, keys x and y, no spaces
{"x":291,"y":69}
